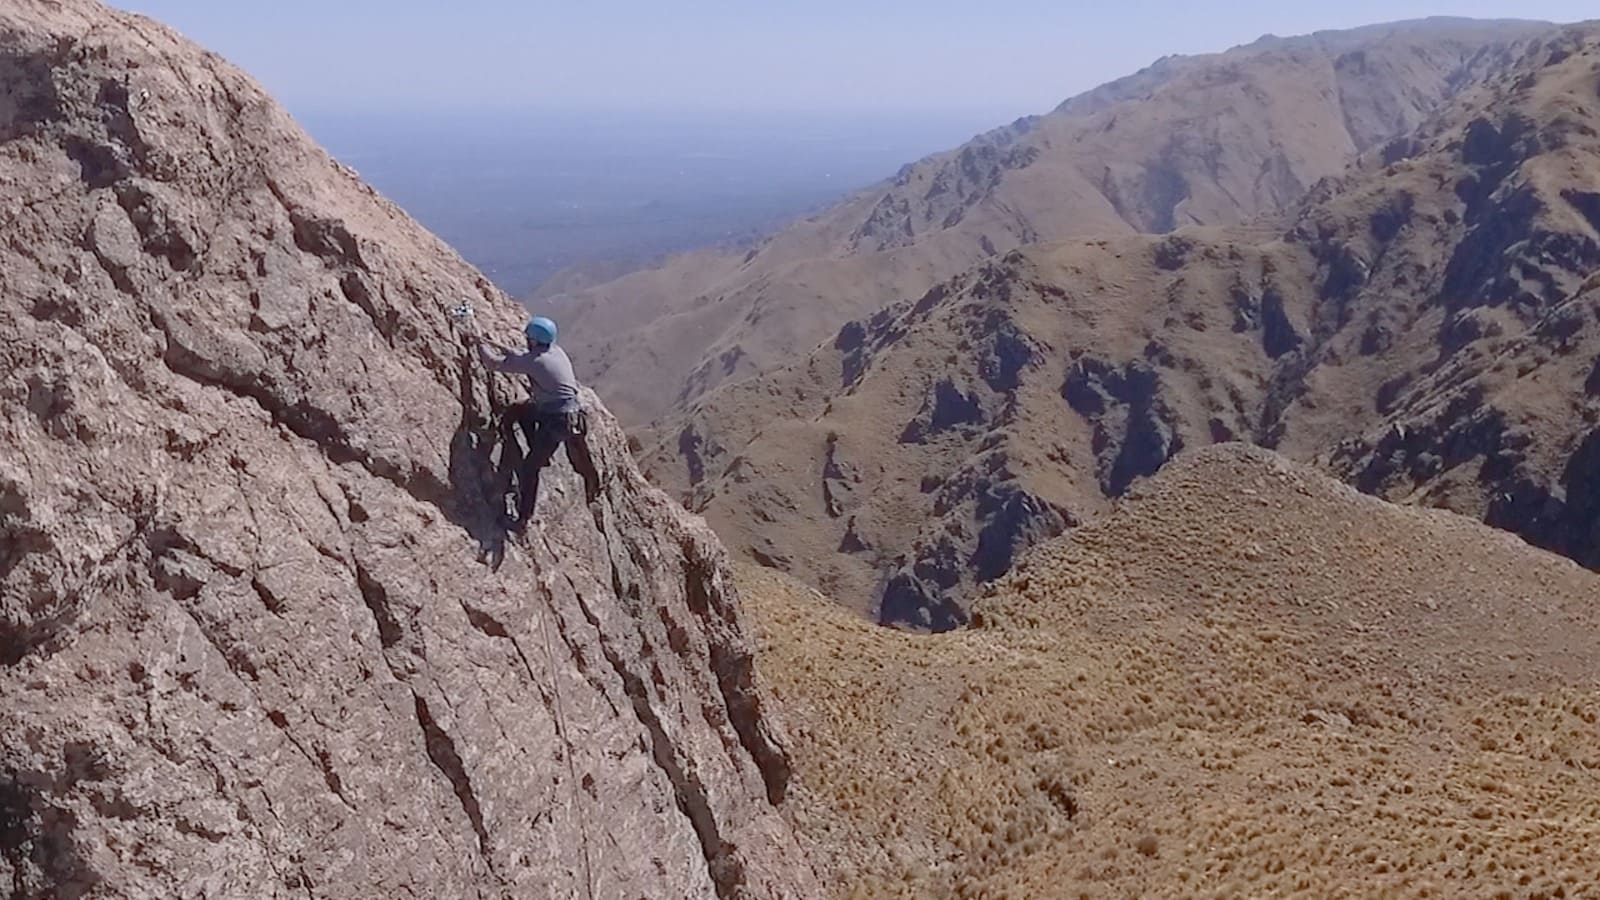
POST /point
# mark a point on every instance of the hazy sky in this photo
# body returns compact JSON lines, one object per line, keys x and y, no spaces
{"x":1008,"y":58}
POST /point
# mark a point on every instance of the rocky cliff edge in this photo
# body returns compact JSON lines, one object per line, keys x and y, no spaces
{"x":257,"y":636}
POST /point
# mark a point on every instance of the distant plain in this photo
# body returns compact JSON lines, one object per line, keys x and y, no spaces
{"x":523,"y":196}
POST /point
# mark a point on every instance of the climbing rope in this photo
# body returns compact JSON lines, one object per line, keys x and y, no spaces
{"x":462,"y":316}
{"x":561,"y":730}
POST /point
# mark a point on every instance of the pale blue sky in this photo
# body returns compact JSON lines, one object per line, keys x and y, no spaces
{"x":1001,"y":58}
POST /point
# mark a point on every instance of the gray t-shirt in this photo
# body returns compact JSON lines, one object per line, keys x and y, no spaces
{"x":551,"y":383}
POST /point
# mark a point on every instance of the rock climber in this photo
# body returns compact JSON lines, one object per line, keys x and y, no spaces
{"x":552,"y":417}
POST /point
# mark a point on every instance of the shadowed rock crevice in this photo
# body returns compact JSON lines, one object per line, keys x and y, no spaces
{"x":1134,"y":431}
{"x":946,"y":407}
{"x":909,"y":601}
{"x":722,"y":862}
{"x":34,"y":101}
{"x":1010,"y":352}
{"x":1161,"y":189}
{"x":1563,"y":517}
{"x":35,"y":839}
{"x":735,"y":672}
{"x":112,"y":148}
{"x":839,"y":480}
{"x":689,"y":444}
{"x":163,"y":232}
{"x":1278,"y":334}
{"x":376,"y":597}
{"x":447,"y":759}
{"x":1013,"y":520}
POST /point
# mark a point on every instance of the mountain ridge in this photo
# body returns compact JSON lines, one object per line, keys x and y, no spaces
{"x":1218,"y":139}
{"x":920,"y":450}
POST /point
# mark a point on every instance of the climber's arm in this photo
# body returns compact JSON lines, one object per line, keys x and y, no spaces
{"x":498,"y":357}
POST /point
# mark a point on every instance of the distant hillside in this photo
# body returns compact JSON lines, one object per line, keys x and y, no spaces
{"x":524,"y":195}
{"x":1427,"y":325}
{"x":1205,"y":140}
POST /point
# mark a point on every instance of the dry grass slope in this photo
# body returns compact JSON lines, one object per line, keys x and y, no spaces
{"x":1246,"y":680}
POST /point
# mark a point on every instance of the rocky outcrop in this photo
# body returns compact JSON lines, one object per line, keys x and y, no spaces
{"x":259,"y":635}
{"x":1134,"y":432}
{"x":1468,"y":436}
{"x":982,"y":523}
{"x":972,"y":174}
{"x":945,"y":407}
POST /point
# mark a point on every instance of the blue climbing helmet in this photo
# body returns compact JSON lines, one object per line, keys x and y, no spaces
{"x":541,"y":330}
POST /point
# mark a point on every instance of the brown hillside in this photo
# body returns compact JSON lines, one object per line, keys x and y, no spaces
{"x":1246,"y":680}
{"x":1211,"y":140}
{"x":914,"y":457}
{"x":1428,"y":328}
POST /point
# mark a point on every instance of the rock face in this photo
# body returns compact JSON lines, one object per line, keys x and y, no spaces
{"x":258,"y":635}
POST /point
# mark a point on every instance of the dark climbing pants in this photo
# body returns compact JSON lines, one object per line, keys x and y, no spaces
{"x":545,"y":433}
